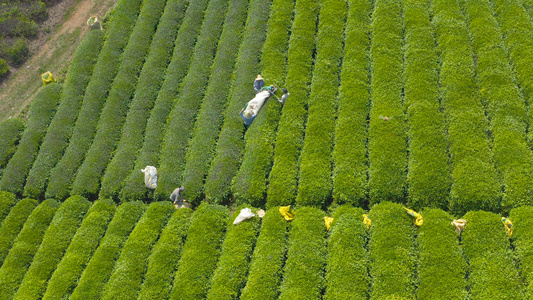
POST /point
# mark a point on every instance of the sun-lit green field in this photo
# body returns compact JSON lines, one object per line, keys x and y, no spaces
{"x":393,"y":104}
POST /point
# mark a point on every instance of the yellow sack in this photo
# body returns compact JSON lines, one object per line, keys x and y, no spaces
{"x":508,"y":226}
{"x":47,"y":78}
{"x":367,"y":221}
{"x":328,"y":221}
{"x":286,"y":212}
{"x":419,"y":220}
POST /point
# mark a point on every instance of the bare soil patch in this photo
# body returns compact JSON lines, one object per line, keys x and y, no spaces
{"x":52,"y":49}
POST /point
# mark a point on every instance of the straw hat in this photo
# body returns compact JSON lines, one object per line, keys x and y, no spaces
{"x":258,"y":77}
{"x":247,"y":114}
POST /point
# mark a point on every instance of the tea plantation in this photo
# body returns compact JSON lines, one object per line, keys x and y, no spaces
{"x":394,"y":105}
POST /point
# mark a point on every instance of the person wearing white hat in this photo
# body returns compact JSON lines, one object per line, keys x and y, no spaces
{"x":259,"y":83}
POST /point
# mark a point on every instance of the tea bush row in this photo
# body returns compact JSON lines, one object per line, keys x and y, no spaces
{"x":120,"y":27}
{"x":249,"y":184}
{"x":10,"y":133}
{"x":134,"y":188}
{"x":230,"y":144}
{"x":350,"y":162}
{"x":59,"y":132}
{"x":99,"y":269}
{"x":42,"y":110}
{"x":12,"y":224}
{"x":149,"y":83}
{"x":522,"y":239}
{"x":79,"y":252}
{"x":183,"y":115}
{"x":113,"y":116}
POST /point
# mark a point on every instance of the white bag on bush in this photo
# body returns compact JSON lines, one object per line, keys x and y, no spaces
{"x":245,"y":214}
{"x":150,"y":177}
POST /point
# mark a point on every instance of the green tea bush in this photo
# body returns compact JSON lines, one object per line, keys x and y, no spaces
{"x":249,"y":184}
{"x":42,"y":110}
{"x":19,"y":51}
{"x":120,"y":27}
{"x":392,"y":252}
{"x":10,"y":133}
{"x":134,"y":188}
{"x":266,"y":267}
{"x":283,"y":178}
{"x":12,"y":224}
{"x":505,"y":105}
{"x":55,"y":242}
{"x":517,"y":31}
{"x":183,"y":115}
{"x":314,"y":180}
{"x":387,"y":139}
{"x":84,"y":243}
{"x":209,"y":121}
{"x":306,"y":258}
{"x":230,"y":274}
{"x":347,"y":258}
{"x":428,"y":173}
{"x":228,"y":152}
{"x":475,"y":183}
{"x":126,"y":280}
{"x":441,"y":266}
{"x":24,"y":248}
{"x":4,"y":68}
{"x":349,"y":153}
{"x":99,"y":269}
{"x":58,"y":135}
{"x":522,"y":238}
{"x":113,"y":116}
{"x":200,"y":252}
{"x":488,"y":253}
{"x":163,"y":261}
{"x":7,"y":200}
{"x":150,"y":80}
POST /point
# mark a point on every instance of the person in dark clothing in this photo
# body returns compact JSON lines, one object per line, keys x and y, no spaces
{"x":259,"y":83}
{"x":176,"y":195}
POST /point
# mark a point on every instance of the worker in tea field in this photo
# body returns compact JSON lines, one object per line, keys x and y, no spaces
{"x":259,"y":83}
{"x":284,"y":97}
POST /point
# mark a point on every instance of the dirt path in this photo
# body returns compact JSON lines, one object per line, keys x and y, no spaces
{"x":52,"y":51}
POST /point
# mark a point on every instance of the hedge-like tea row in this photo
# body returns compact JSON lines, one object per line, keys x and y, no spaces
{"x":163,"y":262}
{"x":347,"y":258}
{"x":201,"y":252}
{"x":183,"y":115}
{"x":100,"y":267}
{"x":230,"y":144}
{"x":209,"y":121}
{"x":249,"y":184}
{"x":441,"y":266}
{"x":58,"y":135}
{"x":505,"y":105}
{"x":306,"y":258}
{"x":475,"y":184}
{"x":120,"y":26}
{"x":428,"y":173}
{"x":10,"y":132}
{"x":493,"y":273}
{"x":266,"y":267}
{"x":387,"y":140}
{"x":392,"y":252}
{"x":314,"y":180}
{"x":55,"y":242}
{"x":230,"y":275}
{"x":7,"y":201}
{"x":113,"y":116}
{"x":522,"y":237}
{"x":517,"y":30}
{"x":150,"y":80}
{"x":126,"y":280}
{"x":12,"y":224}
{"x":134,"y":188}
{"x":24,"y":248}
{"x":80,"y":250}
{"x":351,"y":128}
{"x":283,"y":177}
{"x":42,"y":110}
